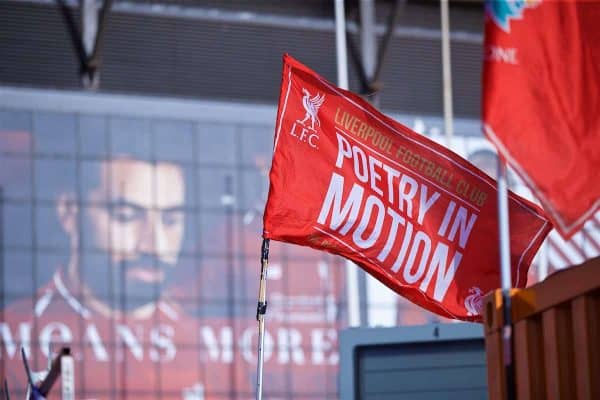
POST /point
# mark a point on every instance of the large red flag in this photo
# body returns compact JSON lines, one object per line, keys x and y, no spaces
{"x":542,"y":101}
{"x":349,"y":180}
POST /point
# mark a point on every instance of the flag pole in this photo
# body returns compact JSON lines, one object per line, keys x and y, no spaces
{"x":503,"y":227}
{"x":447,"y":72}
{"x":261,"y":310}
{"x":340,"y":44}
{"x":342,"y":79}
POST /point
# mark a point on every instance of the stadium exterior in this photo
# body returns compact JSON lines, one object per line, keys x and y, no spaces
{"x":187,"y":95}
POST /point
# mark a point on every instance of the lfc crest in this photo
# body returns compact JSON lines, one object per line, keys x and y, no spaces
{"x":312,"y":104}
{"x":474,"y":301}
{"x":305,"y":129}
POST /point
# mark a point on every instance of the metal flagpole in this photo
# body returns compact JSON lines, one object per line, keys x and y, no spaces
{"x":342,"y":74}
{"x":447,"y":72}
{"x":503,"y":229}
{"x":340,"y":44}
{"x":261,"y":310}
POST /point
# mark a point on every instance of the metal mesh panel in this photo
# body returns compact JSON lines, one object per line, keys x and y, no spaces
{"x":184,"y":57}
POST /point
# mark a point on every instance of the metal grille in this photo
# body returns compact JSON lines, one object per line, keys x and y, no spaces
{"x":185,"y":57}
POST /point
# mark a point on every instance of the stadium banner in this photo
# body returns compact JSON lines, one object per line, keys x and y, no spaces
{"x":540,"y":101}
{"x":348,"y":180}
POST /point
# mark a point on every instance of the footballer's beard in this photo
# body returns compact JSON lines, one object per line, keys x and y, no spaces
{"x":126,"y":285}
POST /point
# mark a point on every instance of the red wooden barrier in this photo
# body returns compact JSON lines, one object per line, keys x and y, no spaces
{"x":556,"y":331}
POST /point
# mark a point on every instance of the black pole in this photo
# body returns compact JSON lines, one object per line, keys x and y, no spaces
{"x":507,"y":346}
{"x":261,"y":310}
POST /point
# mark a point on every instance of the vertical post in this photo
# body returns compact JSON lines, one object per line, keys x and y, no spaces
{"x":368,"y":51}
{"x":447,"y":72}
{"x":67,"y":374}
{"x":340,"y":44}
{"x":342,"y":73}
{"x":368,"y":42}
{"x":89,"y":24}
{"x":89,"y":32}
{"x":506,"y":279}
{"x":261,"y":310}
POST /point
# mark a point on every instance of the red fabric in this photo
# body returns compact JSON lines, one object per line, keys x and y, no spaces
{"x":408,"y":185}
{"x":541,"y":102}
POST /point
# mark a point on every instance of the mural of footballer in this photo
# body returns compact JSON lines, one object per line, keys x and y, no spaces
{"x":128,"y":338}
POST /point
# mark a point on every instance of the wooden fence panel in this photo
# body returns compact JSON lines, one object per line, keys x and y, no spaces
{"x":556,"y":337}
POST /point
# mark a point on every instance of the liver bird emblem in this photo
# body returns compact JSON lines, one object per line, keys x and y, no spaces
{"x":474,"y":301}
{"x":312,"y":105}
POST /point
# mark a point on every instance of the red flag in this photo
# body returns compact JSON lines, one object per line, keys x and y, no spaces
{"x":349,"y":180}
{"x":541,"y":101}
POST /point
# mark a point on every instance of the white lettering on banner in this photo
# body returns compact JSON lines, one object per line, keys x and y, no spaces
{"x":507,"y":55}
{"x":225,"y":347}
{"x":460,"y":222}
{"x":323,"y":341}
{"x":290,"y":346}
{"x":374,"y":175}
{"x":333,"y":200}
{"x":396,"y":220}
{"x":315,"y":346}
{"x":417,"y":257}
{"x":24,"y":339}
{"x":372,"y":201}
{"x":92,"y":336}
{"x":130,"y":341}
{"x":447,"y":219}
{"x":425,"y":204}
{"x":407,"y":189}
{"x":304,"y":135}
{"x":54,"y":332}
{"x":403,"y":249}
{"x":391,"y":175}
{"x":162,"y":337}
{"x":420,"y":238}
{"x":445,"y":273}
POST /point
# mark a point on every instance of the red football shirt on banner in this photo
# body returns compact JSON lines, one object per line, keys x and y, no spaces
{"x":348,"y":180}
{"x":541,"y":100}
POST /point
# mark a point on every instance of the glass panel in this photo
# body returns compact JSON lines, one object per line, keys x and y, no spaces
{"x":96,"y":234}
{"x":54,"y":177}
{"x":174,"y":141}
{"x":92,"y":136}
{"x":55,"y":133}
{"x":50,"y":262}
{"x":15,"y":177}
{"x":95,"y":266}
{"x":183,"y":280}
{"x":15,"y":131}
{"x":217,"y":144}
{"x":217,"y":234}
{"x":48,"y":230}
{"x":130,"y":137}
{"x":17,"y":267}
{"x":257,"y":145}
{"x":217,"y":188}
{"x":93,"y":179}
{"x":255,"y":189}
{"x":189,"y":244}
{"x":17,"y":227}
